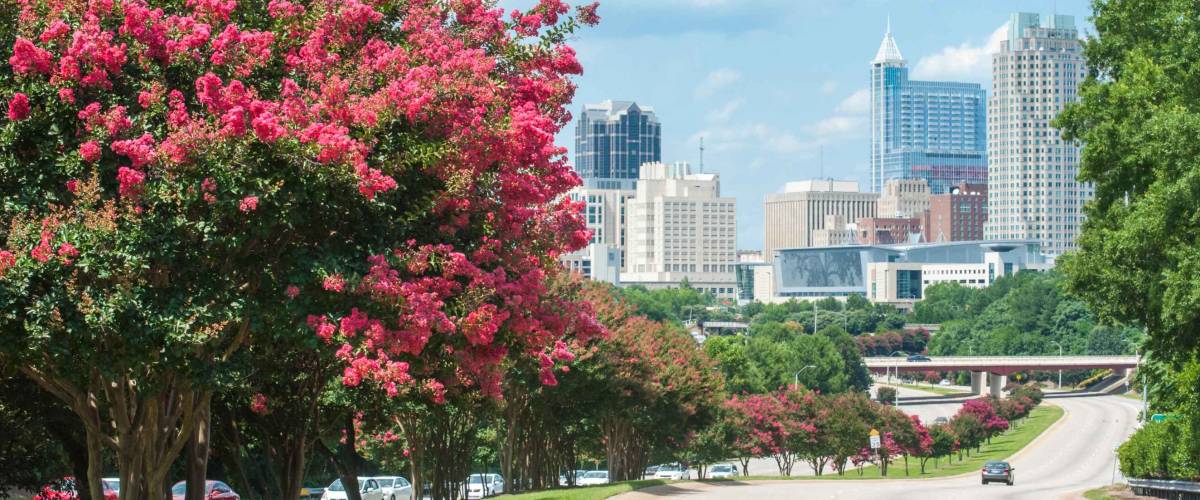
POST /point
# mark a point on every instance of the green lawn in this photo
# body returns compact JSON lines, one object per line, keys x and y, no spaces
{"x":588,"y":492}
{"x":1001,"y":447}
{"x":1106,"y":492}
{"x":930,"y":388}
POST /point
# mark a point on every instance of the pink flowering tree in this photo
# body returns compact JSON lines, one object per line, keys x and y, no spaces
{"x":176,"y":174}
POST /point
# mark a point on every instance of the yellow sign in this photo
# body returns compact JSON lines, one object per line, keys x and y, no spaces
{"x":874,"y":432}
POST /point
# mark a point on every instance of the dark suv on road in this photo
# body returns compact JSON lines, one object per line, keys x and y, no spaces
{"x":919,"y":357}
{"x":997,"y":471}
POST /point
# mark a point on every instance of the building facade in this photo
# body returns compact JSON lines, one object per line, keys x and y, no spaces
{"x":838,"y":231}
{"x":958,"y":215}
{"x":888,"y":230}
{"x":604,"y":212}
{"x":679,"y":227}
{"x":790,"y":217}
{"x":1032,"y":191}
{"x":904,"y":198}
{"x":922,"y":129}
{"x":612,"y":141}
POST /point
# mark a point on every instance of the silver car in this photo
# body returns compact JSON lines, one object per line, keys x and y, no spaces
{"x":718,"y":471}
{"x":483,"y":485}
{"x":394,"y":487}
{"x":996,"y":470}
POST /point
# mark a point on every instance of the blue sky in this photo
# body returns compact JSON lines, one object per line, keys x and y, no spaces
{"x":769,"y":84}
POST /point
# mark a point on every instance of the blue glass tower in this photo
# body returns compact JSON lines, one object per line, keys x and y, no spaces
{"x":612,"y":141}
{"x":935,"y":131}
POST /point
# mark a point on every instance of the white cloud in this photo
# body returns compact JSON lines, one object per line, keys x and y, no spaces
{"x":838,"y":125}
{"x":858,"y":103}
{"x":963,"y":62}
{"x":724,"y":113}
{"x":829,"y":87}
{"x":750,"y":136}
{"x":716,"y":81}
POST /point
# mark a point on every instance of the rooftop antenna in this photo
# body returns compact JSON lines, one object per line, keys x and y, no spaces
{"x":889,"y":23}
{"x":702,"y":154}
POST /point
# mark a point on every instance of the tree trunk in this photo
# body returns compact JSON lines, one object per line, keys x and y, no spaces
{"x":197,"y":454}
{"x":745,"y":465}
{"x":346,"y":461}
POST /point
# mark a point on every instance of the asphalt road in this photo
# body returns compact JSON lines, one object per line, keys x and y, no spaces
{"x":1074,"y":455}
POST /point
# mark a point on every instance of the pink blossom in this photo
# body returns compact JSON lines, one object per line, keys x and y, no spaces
{"x":258,"y":404}
{"x":67,"y":252}
{"x":66,"y":95}
{"x":29,"y":58}
{"x":43,"y":251}
{"x":130,"y":181}
{"x":18,"y":107}
{"x":73,"y":186}
{"x":7,"y":261}
{"x":334,"y":283}
{"x":90,"y":151}
{"x":292,"y":291}
{"x":587,"y":14}
{"x":249,"y":204}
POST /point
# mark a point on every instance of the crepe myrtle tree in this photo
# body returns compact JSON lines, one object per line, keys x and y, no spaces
{"x":173,"y":171}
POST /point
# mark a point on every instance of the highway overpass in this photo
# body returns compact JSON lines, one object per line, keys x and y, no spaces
{"x":997,"y":368}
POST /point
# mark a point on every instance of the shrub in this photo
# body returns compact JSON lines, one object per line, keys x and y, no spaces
{"x":1163,"y":450}
{"x":885,"y":395}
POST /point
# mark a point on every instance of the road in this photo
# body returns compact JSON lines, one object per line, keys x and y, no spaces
{"x":1074,"y":455}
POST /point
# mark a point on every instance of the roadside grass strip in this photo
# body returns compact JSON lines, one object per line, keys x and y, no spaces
{"x":587,"y":492}
{"x":928,"y":388}
{"x":1002,"y":447}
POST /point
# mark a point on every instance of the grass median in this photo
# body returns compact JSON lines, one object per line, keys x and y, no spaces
{"x":928,"y":388}
{"x":1002,"y":447}
{"x":587,"y":492}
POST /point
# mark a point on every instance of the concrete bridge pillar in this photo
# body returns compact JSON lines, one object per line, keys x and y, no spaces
{"x":977,"y":379}
{"x":997,"y":383}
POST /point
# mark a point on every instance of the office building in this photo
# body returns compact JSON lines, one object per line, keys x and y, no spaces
{"x":1032,"y":191}
{"x":838,"y":231}
{"x":922,"y":129}
{"x":897,"y":274}
{"x":888,"y":230}
{"x":791,"y":216}
{"x":958,"y":215}
{"x":679,"y":227}
{"x":604,"y":214}
{"x":612,"y":141}
{"x":904,"y":198}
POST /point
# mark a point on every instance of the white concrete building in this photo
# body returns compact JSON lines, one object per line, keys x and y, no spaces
{"x":837,"y":232}
{"x":604,"y":213}
{"x":1032,"y":191}
{"x":679,"y":227}
{"x":791,"y":216}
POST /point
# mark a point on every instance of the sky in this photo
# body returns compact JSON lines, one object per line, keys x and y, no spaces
{"x":778,"y":88}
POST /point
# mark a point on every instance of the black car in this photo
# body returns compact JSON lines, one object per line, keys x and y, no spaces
{"x":919,"y":357}
{"x":996,"y":470}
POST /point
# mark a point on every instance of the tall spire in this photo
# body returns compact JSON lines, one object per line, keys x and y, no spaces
{"x":888,"y":51}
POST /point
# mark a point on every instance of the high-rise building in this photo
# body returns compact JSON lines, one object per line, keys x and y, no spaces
{"x":1032,"y":187}
{"x":922,"y":129}
{"x":612,"y":141}
{"x":958,"y":215}
{"x":679,"y":227}
{"x":604,"y":213}
{"x":790,"y":217}
{"x":904,"y":198}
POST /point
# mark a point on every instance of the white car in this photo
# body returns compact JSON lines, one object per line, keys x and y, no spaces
{"x":394,"y":487}
{"x":593,"y":477}
{"x":563,"y":480}
{"x":944,"y":382}
{"x":674,"y":472}
{"x":483,"y":485}
{"x":367,"y":488}
{"x":718,"y":471}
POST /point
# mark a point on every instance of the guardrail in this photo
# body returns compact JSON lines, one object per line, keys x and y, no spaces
{"x":1165,"y":488}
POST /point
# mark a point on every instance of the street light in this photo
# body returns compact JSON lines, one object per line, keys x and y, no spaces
{"x":896,"y":401}
{"x":797,"y":381}
{"x":1060,"y":353}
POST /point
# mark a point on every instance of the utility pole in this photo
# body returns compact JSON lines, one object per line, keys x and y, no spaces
{"x":814,"y":316}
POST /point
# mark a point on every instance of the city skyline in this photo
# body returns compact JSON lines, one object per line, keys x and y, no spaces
{"x":759,"y":134}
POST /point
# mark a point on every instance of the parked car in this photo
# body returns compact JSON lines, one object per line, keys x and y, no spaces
{"x":919,"y":357}
{"x":650,"y":471}
{"x":483,"y":485}
{"x":368,"y":489}
{"x":64,"y":489}
{"x":945,"y":382}
{"x":394,"y":487}
{"x":215,"y":490}
{"x":673,"y":472}
{"x":594,"y":477}
{"x":311,"y":492}
{"x":112,"y":483}
{"x":566,"y":478}
{"x":996,"y":470}
{"x":722,"y":470}
{"x":941,"y":420}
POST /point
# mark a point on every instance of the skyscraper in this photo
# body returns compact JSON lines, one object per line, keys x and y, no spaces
{"x":1032,"y":191}
{"x":612,"y":141}
{"x":924,"y":130}
{"x":790,"y":217}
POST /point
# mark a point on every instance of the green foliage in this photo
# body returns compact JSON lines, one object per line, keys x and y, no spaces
{"x":1138,"y":258}
{"x":885,"y":395}
{"x":733,"y":358}
{"x":779,"y":360}
{"x":856,"y":370}
{"x":1164,"y":450}
{"x":1018,"y":315}
{"x":669,"y":304}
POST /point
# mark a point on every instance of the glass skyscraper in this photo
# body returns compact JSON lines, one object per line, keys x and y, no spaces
{"x":935,"y":131}
{"x":612,"y":141}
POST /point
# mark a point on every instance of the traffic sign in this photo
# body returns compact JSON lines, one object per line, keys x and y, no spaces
{"x":874,"y":439}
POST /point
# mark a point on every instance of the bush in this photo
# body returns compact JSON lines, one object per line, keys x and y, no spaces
{"x":886,"y":395}
{"x":1163,"y":450}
